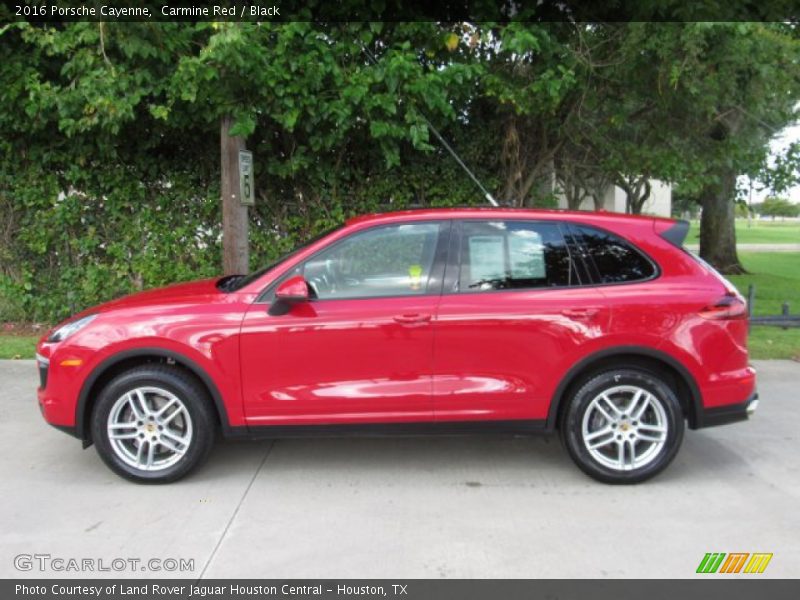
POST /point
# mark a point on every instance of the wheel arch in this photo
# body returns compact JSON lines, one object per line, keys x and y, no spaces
{"x":686,"y":387}
{"x":122,"y":361}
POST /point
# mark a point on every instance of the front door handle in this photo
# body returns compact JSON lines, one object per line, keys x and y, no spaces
{"x":411,"y":319}
{"x":580,"y":313}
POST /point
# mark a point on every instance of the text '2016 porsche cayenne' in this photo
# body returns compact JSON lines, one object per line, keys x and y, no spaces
{"x":597,"y":325}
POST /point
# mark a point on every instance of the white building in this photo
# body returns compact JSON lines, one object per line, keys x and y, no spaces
{"x":659,"y":203}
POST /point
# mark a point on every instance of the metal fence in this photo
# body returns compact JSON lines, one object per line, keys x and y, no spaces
{"x":785,"y":320}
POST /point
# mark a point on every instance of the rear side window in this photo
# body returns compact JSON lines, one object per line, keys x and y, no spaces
{"x":499,"y":255}
{"x":609,"y":258}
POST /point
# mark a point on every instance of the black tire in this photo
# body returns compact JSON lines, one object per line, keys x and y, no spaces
{"x":183,"y":386}
{"x":580,"y":402}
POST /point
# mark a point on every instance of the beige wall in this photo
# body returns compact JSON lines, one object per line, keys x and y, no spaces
{"x":659,"y":203}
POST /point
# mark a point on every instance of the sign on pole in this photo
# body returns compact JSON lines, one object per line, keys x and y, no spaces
{"x":247,"y":193}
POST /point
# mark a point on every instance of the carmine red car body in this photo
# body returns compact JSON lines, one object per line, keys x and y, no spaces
{"x":419,"y":321}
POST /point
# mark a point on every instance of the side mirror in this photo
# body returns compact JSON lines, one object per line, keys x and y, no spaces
{"x":294,"y":289}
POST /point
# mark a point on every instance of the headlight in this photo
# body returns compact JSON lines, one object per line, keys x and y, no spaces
{"x":63,"y":332}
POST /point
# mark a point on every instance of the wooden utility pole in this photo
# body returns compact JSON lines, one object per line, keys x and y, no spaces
{"x":235,"y":248}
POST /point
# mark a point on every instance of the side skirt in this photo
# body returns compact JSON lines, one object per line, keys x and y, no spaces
{"x":260,"y":432}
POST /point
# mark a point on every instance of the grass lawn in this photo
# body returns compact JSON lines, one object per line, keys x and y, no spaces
{"x":760,"y":232}
{"x":17,"y":346}
{"x":776,"y":276}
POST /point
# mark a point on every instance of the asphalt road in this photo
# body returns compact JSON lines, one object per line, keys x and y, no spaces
{"x":471,"y":507}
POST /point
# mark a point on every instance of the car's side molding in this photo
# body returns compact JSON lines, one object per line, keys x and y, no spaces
{"x":695,"y":405}
{"x":422,"y":428}
{"x":81,"y":417}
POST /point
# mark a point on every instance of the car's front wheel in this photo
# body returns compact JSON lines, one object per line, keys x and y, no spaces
{"x":153,"y":424}
{"x":623,"y":425}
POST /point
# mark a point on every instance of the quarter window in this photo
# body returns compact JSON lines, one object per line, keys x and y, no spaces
{"x":513,"y":254}
{"x":395,"y":260}
{"x":611,"y":259}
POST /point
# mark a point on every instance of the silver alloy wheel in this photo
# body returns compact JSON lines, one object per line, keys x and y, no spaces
{"x":625,"y":427}
{"x":149,"y":428}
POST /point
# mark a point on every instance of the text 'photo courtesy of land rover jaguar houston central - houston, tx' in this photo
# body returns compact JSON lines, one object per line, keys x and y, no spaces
{"x":597,"y":325}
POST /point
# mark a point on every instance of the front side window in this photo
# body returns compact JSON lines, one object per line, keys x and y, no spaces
{"x":611,"y":259}
{"x":513,"y":254}
{"x":233,"y":283}
{"x":394,"y":260}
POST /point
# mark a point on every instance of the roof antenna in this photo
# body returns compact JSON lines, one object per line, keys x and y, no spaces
{"x":444,"y":143}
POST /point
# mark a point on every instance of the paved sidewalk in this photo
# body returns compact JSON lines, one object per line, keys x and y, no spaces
{"x":403,"y":508}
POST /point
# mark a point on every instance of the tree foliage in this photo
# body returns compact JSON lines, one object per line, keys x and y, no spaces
{"x":109,"y":164}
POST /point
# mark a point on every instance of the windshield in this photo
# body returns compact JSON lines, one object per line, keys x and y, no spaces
{"x":233,"y":283}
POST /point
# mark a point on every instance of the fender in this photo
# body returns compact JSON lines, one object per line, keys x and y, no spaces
{"x":696,"y":404}
{"x":81,"y":431}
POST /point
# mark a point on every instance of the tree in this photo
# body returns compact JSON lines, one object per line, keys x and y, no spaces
{"x":527,"y":87}
{"x":580,"y":176}
{"x":110,"y":155}
{"x":691,"y":103}
{"x":725,"y":89}
{"x":683,"y":204}
{"x":105,"y":199}
{"x":777,"y":207}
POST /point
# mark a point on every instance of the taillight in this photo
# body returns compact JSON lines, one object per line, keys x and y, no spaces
{"x":729,"y":306}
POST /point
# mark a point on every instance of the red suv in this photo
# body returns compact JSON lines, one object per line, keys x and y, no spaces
{"x":433,"y":321}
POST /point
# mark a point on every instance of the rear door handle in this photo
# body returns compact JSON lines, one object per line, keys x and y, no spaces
{"x":411,"y":319}
{"x":580,"y":313}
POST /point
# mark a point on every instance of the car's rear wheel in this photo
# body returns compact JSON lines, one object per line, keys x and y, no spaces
{"x":153,"y":424}
{"x":623,"y":425}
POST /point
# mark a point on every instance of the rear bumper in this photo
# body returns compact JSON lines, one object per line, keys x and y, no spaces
{"x":731,"y":413}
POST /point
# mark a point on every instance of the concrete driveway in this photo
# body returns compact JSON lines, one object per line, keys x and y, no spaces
{"x":488,"y":507}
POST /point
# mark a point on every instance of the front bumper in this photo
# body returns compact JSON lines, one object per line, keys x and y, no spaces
{"x":732,"y":413}
{"x":43,"y":366}
{"x":54,"y":388}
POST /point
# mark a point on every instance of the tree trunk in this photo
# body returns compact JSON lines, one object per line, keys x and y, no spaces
{"x":637,"y":191}
{"x":235,"y":250}
{"x":717,"y":226}
{"x":527,"y":164}
{"x":574,"y":194}
{"x":598,"y":195}
{"x":637,"y":202}
{"x":541,"y":185}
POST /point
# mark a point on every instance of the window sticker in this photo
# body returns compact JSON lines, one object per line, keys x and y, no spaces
{"x":486,"y":260}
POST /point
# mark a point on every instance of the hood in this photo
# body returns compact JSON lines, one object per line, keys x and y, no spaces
{"x":178,"y":293}
{"x":201,"y":291}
